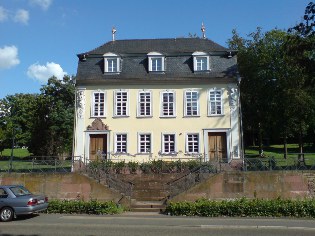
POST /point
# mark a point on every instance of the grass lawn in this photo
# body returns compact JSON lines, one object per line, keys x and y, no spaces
{"x":277,"y":152}
{"x":17,"y":152}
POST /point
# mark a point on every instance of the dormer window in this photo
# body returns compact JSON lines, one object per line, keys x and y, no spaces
{"x":111,"y":63}
{"x":156,"y":62}
{"x":201,"y":61}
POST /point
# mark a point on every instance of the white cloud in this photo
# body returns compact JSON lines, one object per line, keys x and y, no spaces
{"x":44,"y":72}
{"x":44,"y":4}
{"x":21,"y":16}
{"x":3,"y":14}
{"x":8,"y":57}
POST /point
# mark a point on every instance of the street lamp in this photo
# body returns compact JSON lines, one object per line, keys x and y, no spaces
{"x":11,"y":157}
{"x":239,"y":79}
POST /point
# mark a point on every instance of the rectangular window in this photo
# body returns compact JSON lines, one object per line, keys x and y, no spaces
{"x":192,"y":143}
{"x":98,"y":106}
{"x":144,"y":104}
{"x":112,"y":65}
{"x":121,"y":103}
{"x":144,"y":142}
{"x":215,"y":102}
{"x":169,"y":146}
{"x":201,"y":63}
{"x":191,"y":103}
{"x":156,"y":64}
{"x":121,"y":143}
{"x":168,"y":104}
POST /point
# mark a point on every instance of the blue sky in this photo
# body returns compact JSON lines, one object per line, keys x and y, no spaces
{"x":40,"y":38}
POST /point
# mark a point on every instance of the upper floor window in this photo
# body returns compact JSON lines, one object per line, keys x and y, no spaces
{"x":215,"y":106}
{"x":111,"y":63}
{"x":98,"y":104}
{"x":201,"y":61}
{"x":191,"y":103}
{"x":168,"y":104}
{"x":144,"y":103}
{"x":156,"y":62}
{"x":121,"y":103}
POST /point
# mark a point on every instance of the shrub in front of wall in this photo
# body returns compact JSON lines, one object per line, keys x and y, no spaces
{"x":244,"y":207}
{"x":82,"y":207}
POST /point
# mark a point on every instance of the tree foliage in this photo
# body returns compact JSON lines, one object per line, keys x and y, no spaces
{"x":278,"y":82}
{"x":43,"y":122}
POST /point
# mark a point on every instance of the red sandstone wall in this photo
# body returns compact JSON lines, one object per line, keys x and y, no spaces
{"x":265,"y":185}
{"x":61,"y":186}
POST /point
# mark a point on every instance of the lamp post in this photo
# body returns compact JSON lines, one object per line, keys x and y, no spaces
{"x":239,"y":79}
{"x":11,"y":157}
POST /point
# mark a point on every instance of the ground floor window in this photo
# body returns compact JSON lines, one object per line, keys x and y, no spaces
{"x":192,"y":143}
{"x":144,"y":143}
{"x":121,"y":143}
{"x":168,"y":143}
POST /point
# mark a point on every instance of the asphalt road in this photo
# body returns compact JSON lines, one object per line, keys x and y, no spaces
{"x":153,"y":224}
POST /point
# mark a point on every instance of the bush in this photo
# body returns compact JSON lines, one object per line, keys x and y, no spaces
{"x":82,"y":207}
{"x":244,"y":207}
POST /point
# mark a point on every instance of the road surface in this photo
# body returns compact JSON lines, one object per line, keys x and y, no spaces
{"x":153,"y":224}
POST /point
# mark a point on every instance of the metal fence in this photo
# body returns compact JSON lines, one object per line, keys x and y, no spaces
{"x":40,"y":164}
{"x":293,"y":161}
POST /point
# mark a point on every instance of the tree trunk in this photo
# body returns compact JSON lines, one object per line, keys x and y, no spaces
{"x":301,"y":154}
{"x":260,"y":140}
{"x":285,"y":147}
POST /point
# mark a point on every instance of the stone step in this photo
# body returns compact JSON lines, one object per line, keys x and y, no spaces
{"x":148,"y":193}
{"x":147,"y":206}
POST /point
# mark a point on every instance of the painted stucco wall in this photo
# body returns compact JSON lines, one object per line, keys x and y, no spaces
{"x":157,"y":125}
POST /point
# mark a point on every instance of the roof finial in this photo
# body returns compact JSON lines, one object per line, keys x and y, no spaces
{"x":203,"y":30}
{"x":113,"y":32}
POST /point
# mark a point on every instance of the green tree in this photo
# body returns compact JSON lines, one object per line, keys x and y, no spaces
{"x":52,"y":134}
{"x":17,"y":112}
{"x":276,"y":95}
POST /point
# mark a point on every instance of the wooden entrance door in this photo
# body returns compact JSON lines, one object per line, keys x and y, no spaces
{"x":98,"y":146}
{"x":217,"y":146}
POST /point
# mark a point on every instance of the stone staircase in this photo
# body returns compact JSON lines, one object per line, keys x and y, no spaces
{"x":150,"y":192}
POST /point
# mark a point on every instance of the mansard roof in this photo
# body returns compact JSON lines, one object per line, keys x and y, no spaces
{"x":178,"y":54}
{"x":176,"y":45}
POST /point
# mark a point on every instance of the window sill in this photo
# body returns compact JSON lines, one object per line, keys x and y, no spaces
{"x":94,"y":117}
{"x":195,"y":116}
{"x":144,"y":117}
{"x":216,"y":115}
{"x":167,"y":117}
{"x":126,"y":116}
{"x":112,"y":73}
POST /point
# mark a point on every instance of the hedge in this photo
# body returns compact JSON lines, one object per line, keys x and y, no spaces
{"x":83,"y":207}
{"x":244,"y":207}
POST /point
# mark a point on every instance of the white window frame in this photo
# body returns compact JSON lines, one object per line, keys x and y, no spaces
{"x":107,"y":58}
{"x":216,"y":102}
{"x":162,"y":103}
{"x":163,"y":144}
{"x":116,"y":102}
{"x":186,"y":102}
{"x":151,"y":57}
{"x":93,"y":105}
{"x":145,"y":103}
{"x":140,"y":142}
{"x":201,"y":55}
{"x":187,"y":142}
{"x":120,"y":142}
